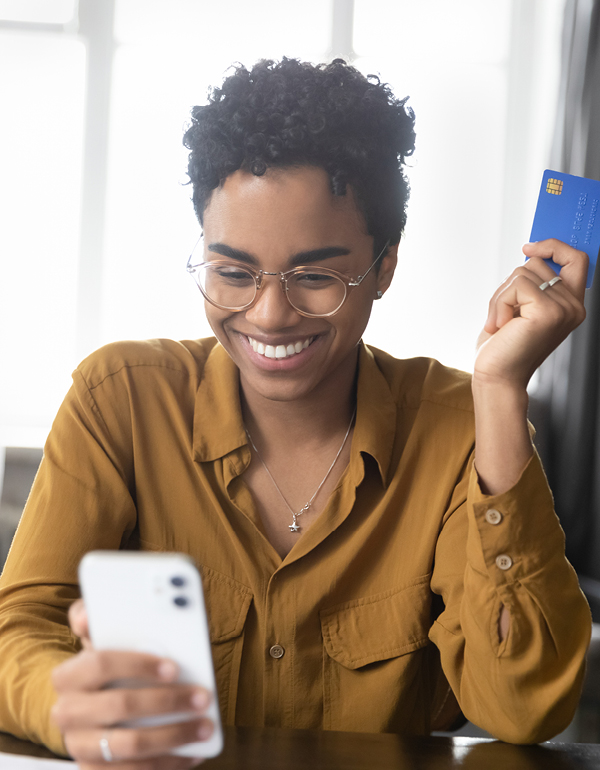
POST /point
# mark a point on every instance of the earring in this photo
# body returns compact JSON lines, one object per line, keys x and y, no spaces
{"x":379,"y":294}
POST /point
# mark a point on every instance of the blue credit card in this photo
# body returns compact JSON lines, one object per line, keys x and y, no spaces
{"x":567,"y":209}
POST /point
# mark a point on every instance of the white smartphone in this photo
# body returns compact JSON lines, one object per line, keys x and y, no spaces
{"x":154,"y":603}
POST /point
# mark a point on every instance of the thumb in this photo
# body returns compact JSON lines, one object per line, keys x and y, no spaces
{"x":78,"y":620}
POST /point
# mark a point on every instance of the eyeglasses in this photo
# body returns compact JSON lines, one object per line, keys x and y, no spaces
{"x":315,"y":292}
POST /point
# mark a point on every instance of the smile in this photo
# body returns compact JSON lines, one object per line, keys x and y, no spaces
{"x":279,"y":351}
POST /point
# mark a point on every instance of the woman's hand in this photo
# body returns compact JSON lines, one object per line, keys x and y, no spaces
{"x":525,"y":324}
{"x":89,"y":715}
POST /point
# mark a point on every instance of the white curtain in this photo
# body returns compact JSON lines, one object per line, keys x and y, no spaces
{"x":479,"y":74}
{"x":566,"y":408}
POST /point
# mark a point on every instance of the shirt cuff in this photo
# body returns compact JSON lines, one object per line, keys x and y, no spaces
{"x":516,"y":533}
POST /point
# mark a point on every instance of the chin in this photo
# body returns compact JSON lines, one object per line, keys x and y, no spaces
{"x":282,"y":392}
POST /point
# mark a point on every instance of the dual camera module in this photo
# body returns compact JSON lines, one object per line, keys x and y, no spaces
{"x":179,"y":600}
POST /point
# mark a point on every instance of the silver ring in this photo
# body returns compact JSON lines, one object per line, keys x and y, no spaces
{"x":549,"y":284}
{"x":107,"y":754}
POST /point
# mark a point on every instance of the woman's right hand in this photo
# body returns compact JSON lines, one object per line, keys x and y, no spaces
{"x":89,"y":715}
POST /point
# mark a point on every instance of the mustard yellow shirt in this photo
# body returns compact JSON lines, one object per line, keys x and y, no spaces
{"x":392,"y":594}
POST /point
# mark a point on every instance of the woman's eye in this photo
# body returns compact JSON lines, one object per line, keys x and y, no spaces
{"x":233,"y":274}
{"x":314,"y":279}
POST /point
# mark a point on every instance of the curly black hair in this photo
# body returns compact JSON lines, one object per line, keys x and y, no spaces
{"x":293,"y":113}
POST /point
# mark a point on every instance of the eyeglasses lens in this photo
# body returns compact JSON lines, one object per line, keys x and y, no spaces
{"x":228,"y":286}
{"x":309,"y":290}
{"x":315,"y":293}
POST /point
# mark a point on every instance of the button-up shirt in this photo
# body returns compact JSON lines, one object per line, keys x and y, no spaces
{"x":386,"y":608}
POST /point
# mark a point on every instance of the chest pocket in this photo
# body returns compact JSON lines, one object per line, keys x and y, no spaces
{"x":372,"y":669}
{"x":227,"y":603}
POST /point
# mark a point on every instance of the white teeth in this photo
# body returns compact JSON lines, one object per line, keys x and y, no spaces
{"x":279,"y":351}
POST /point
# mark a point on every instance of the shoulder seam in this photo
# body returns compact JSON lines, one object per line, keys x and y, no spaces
{"x":131,"y":366}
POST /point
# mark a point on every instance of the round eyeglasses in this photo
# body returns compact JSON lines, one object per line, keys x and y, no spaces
{"x":315,"y":292}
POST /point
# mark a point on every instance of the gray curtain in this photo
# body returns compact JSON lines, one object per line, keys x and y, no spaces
{"x":566,"y":405}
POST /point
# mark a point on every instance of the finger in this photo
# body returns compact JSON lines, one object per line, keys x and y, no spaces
{"x":94,"y":669}
{"x":541,"y":274}
{"x":490,"y":326}
{"x":554,"y":288}
{"x":524,"y":291}
{"x":538,"y":272}
{"x":110,"y":707}
{"x":520,"y":291}
{"x":128,"y":744}
{"x":538,"y":267}
{"x":500,"y":313}
{"x":574,"y":263}
{"x":78,"y":621}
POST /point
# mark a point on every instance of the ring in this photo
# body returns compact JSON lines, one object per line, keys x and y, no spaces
{"x":549,"y":284}
{"x":107,"y":754}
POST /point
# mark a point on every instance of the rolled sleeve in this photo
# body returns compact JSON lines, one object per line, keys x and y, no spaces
{"x":525,"y":688}
{"x":515,"y":534}
{"x":79,"y":501}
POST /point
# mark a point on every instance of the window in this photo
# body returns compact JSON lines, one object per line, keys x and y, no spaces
{"x":481,"y":77}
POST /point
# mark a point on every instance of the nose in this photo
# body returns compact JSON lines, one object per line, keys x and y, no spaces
{"x":272,"y":311}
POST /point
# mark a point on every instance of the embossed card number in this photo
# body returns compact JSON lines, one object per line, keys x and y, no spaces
{"x":567,"y":209}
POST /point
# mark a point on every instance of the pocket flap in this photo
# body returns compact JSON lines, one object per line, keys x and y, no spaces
{"x":227,"y":604}
{"x":378,"y":627}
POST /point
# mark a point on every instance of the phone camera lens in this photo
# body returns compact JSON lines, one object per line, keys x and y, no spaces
{"x":180,"y":601}
{"x":178,"y":581}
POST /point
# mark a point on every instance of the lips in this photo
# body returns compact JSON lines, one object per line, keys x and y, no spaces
{"x":279,"y":351}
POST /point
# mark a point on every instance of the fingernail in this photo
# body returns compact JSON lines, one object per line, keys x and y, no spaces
{"x":200,"y":700}
{"x":205,"y":730}
{"x":167,"y":670}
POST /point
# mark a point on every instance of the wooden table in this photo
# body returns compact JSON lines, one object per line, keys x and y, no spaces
{"x":271,"y":749}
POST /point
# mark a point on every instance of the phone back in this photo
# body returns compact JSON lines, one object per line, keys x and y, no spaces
{"x":153,"y":603}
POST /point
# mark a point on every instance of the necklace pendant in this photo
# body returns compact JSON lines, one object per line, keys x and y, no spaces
{"x":294,"y":526}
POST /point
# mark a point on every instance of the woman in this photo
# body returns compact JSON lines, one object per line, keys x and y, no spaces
{"x":376,"y":537}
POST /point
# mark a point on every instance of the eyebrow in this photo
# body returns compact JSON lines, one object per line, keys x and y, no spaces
{"x":301,"y":258}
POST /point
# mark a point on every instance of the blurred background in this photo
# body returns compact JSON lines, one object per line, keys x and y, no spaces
{"x":97,"y":223}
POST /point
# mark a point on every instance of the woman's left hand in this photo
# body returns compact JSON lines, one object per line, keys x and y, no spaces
{"x":524,"y":323}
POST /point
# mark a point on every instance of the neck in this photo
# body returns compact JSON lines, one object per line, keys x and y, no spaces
{"x":316,"y":417}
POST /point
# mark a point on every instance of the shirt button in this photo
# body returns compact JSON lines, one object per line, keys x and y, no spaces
{"x":276,"y":651}
{"x":492,"y":516}
{"x":504,"y":561}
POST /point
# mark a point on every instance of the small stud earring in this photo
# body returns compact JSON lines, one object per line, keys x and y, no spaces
{"x":379,"y":294}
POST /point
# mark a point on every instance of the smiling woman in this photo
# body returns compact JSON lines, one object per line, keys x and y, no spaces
{"x":280,"y":215}
{"x":376,"y":536}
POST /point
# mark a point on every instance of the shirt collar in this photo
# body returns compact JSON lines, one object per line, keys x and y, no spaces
{"x":218,"y":423}
{"x":375,"y":428}
{"x":219,"y":427}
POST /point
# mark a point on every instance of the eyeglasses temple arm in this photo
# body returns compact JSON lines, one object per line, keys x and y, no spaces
{"x":360,"y":278}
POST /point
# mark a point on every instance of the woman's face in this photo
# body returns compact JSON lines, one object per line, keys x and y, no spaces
{"x":273,"y":219}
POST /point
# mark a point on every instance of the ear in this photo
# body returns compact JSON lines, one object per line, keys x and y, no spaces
{"x":387,"y":268}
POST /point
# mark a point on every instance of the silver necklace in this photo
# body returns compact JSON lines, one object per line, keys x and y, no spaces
{"x":294,"y":526}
